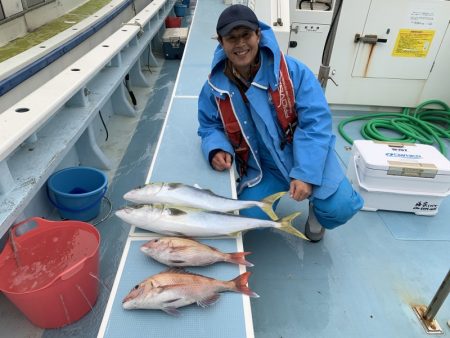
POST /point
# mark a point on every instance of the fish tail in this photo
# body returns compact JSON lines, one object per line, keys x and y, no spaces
{"x":238,"y":258}
{"x":239,"y":284}
{"x":268,"y":202}
{"x":286,"y":226}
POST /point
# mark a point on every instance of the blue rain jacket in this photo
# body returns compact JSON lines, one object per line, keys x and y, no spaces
{"x":310,"y":157}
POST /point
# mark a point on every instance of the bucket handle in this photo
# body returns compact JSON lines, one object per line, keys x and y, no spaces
{"x":60,"y":207}
{"x":40,"y":222}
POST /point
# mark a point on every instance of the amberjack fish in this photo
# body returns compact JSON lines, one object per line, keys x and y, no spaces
{"x":175,"y":251}
{"x":188,"y":222}
{"x":179,"y":194}
{"x":175,"y":288}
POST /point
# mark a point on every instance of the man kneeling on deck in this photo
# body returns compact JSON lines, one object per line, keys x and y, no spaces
{"x":268,"y":111}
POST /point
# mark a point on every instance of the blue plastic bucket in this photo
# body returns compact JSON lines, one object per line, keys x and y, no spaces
{"x":77,"y":192}
{"x":180,"y":9}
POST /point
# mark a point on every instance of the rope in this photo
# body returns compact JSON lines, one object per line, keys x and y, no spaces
{"x":420,"y":125}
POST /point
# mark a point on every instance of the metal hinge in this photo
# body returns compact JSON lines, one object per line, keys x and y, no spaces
{"x":370,"y":38}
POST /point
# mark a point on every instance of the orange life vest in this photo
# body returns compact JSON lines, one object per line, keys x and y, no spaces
{"x":283,"y":99}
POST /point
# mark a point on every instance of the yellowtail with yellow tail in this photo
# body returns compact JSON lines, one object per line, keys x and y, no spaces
{"x":182,"y":221}
{"x":179,"y":194}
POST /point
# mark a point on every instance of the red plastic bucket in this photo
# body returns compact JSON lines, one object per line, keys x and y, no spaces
{"x":53,"y":277}
{"x":173,"y":22}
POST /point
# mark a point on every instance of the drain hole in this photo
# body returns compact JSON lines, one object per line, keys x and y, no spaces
{"x":22,"y":110}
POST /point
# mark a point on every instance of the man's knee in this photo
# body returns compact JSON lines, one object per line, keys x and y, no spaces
{"x":334,"y":217}
{"x":339,"y":207}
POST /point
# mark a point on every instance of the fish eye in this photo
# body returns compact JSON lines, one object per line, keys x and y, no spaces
{"x":136,"y":287}
{"x":156,"y":240}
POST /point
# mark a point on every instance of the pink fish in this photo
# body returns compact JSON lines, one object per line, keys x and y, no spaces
{"x":174,"y":251}
{"x":175,"y":288}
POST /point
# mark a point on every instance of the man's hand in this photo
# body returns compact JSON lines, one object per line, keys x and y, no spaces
{"x":221,"y":161}
{"x":300,"y":190}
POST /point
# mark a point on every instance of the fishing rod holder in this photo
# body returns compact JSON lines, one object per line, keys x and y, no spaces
{"x":426,"y":314}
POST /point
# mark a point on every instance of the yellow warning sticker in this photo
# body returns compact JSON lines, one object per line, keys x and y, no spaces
{"x":413,"y":43}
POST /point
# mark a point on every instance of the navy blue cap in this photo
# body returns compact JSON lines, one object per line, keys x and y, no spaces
{"x":236,"y":16}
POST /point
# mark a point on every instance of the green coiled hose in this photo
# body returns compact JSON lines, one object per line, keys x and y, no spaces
{"x":420,"y":125}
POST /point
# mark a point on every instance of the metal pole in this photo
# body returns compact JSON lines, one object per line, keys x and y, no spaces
{"x":438,"y":299}
{"x":324,"y":70}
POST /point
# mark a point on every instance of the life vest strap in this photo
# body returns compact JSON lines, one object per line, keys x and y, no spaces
{"x":234,"y":133}
{"x":283,"y":99}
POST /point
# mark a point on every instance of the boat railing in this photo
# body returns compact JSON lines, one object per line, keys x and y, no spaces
{"x":20,"y":67}
{"x":38,"y":131}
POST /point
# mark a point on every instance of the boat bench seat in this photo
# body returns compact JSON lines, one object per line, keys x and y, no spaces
{"x":39,"y":131}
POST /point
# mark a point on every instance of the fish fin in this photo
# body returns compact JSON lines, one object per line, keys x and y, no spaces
{"x":208,"y":301}
{"x":173,"y":261}
{"x":172,"y":301}
{"x":171,"y":311}
{"x":176,"y":234}
{"x":176,"y":270}
{"x":268,"y":204}
{"x":240,"y":285}
{"x":173,"y":185}
{"x":176,"y":211}
{"x":286,"y":226}
{"x":239,"y":258}
{"x":137,"y":206}
{"x":217,"y":250}
{"x":206,"y":191}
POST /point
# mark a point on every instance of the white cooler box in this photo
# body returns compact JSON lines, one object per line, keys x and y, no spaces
{"x":399,"y":176}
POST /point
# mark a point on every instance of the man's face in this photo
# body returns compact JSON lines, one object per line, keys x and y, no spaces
{"x":241,"y":47}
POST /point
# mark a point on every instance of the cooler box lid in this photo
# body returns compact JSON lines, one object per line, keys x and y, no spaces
{"x":402,"y":159}
{"x":175,"y":35}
